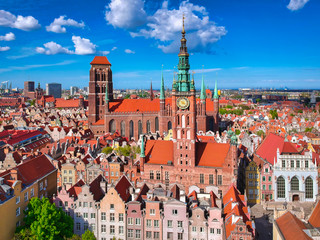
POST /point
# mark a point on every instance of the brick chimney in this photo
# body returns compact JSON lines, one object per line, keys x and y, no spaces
{"x":14,"y":174}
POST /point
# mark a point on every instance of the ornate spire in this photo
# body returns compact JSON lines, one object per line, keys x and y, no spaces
{"x":183,"y":48}
{"x":216,"y":95}
{"x":183,"y":31}
{"x":151,"y":92}
{"x":162,"y":95}
{"x":203,"y":89}
{"x":142,"y":147}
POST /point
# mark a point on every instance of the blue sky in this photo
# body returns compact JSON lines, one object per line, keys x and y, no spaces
{"x":247,"y":43}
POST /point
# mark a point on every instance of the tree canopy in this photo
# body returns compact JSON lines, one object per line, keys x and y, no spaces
{"x":88,"y":235}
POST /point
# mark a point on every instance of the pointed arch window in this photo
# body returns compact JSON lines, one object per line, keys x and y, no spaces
{"x":148,"y":126}
{"x":123,"y":128}
{"x":112,"y":126}
{"x":309,"y":187}
{"x":131,"y":129}
{"x":281,"y":187}
{"x":294,"y":184}
{"x":169,"y":125}
{"x":183,"y":121}
{"x":139,"y":128}
{"x":156,"y":124}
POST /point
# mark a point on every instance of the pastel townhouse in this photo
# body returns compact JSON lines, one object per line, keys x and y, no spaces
{"x":215,"y":220}
{"x":153,"y":217}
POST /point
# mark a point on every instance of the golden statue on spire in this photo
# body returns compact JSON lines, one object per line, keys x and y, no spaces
{"x":183,"y":31}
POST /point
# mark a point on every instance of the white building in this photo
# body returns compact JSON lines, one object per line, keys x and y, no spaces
{"x":295,"y":175}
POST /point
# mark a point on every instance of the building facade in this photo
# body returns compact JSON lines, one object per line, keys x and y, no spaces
{"x":53,"y":89}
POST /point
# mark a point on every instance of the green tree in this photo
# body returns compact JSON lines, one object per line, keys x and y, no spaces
{"x":107,"y":150}
{"x":308,"y":129}
{"x":237,"y":132}
{"x":229,"y":106}
{"x":258,"y":100}
{"x":23,"y":234}
{"x":88,"y":235}
{"x":261,"y":133}
{"x":222,"y":111}
{"x":46,"y":221}
{"x":274,"y":114}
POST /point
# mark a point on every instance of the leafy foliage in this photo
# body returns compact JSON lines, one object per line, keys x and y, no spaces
{"x":237,"y":132}
{"x":88,"y":235}
{"x":107,"y":150}
{"x":308,"y":129}
{"x":274,"y":114}
{"x":45,"y":221}
{"x":261,"y":133}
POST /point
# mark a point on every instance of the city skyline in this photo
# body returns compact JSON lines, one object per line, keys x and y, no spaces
{"x":247,"y":44}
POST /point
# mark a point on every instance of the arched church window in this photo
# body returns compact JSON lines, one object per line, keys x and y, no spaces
{"x":178,"y":119}
{"x":294,"y":184}
{"x":187,"y":120}
{"x":169,"y":125}
{"x":112,"y":126}
{"x":148,"y":126}
{"x":123,"y":128}
{"x":309,"y":187}
{"x":139,"y":128}
{"x":183,"y":120}
{"x":156,"y":123}
{"x":131,"y":129}
{"x":281,"y":187}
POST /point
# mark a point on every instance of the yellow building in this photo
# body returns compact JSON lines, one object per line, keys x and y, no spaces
{"x":253,"y":183}
{"x":33,"y":178}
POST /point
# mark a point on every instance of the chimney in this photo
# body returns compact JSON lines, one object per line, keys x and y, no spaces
{"x":14,"y":174}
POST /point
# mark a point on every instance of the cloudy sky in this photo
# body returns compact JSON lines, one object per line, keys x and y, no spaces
{"x":247,"y":43}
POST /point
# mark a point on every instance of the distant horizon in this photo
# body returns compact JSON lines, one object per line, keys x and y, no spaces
{"x":267,"y":43}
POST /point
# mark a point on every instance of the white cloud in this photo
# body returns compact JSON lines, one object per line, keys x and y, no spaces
{"x":3,"y":49}
{"x":165,"y":27}
{"x":28,"y":23}
{"x":105,"y":52}
{"x":58,"y":23}
{"x":129,"y":51}
{"x":126,"y":14}
{"x":83,"y":46}
{"x":8,"y":37}
{"x":295,"y":5}
{"x":114,"y":48}
{"x":51,"y":48}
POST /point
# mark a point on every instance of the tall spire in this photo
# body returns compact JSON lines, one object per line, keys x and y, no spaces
{"x":183,"y":31}
{"x":142,"y":154}
{"x":162,"y":96}
{"x":203,"y":89}
{"x":216,"y":95}
{"x":151,"y":92}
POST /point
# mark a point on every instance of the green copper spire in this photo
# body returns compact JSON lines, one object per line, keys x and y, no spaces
{"x":162,"y":96}
{"x":106,"y":97}
{"x":203,"y":90}
{"x":215,"y":96}
{"x":142,"y":148}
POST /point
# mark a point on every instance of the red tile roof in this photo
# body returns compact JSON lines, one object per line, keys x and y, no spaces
{"x":76,"y":189}
{"x":95,"y":188}
{"x":288,"y":147}
{"x":268,"y":148}
{"x":122,"y":188}
{"x":291,"y":227}
{"x":314,"y":219}
{"x":211,"y":154}
{"x":69,"y":103}
{"x":101,"y":60}
{"x":159,"y":151}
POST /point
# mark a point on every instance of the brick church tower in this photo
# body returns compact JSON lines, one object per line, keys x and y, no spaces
{"x":100,"y":84}
{"x":184,"y":112}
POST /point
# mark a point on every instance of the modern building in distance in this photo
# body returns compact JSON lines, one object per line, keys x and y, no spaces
{"x":53,"y":89}
{"x":73,"y":90}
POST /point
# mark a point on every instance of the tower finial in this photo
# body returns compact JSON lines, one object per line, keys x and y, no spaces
{"x":216,"y":95}
{"x":203,"y":88}
{"x":162,"y":96}
{"x":183,"y":31}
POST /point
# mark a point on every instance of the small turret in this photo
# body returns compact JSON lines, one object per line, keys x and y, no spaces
{"x":162,"y":95}
{"x":203,"y":90}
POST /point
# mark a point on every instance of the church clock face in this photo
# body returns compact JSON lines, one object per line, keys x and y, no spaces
{"x":183,"y":102}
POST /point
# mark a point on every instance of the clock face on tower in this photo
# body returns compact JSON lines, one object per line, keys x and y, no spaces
{"x":183,"y":102}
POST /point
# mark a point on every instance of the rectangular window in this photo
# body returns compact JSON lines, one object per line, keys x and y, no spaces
{"x":151,"y":174}
{"x":32,"y":192}
{"x":174,"y":212}
{"x":156,"y":223}
{"x":65,"y":179}
{"x":70,"y":179}
{"x":194,"y":229}
{"x":250,"y":176}
{"x":169,"y":224}
{"x":85,"y":215}
{"x":66,"y":204}
{"x":306,"y":164}
{"x":201,"y":229}
{"x":292,"y":164}
{"x":85,"y":204}
{"x":201,"y":178}
{"x":78,"y":226}
{"x":212,"y":230}
{"x":149,"y":223}
{"x":70,"y":171}
{"x":263,"y":178}
{"x":26,"y":196}
{"x":149,"y":234}
{"x":112,"y":229}
{"x":166,"y":175}
{"x":219,"y":179}
{"x":138,"y":234}
{"x":218,"y":231}
{"x":169,"y":235}
{"x":152,"y":212}
{"x":269,"y":179}
{"x":17,"y":200}
{"x":78,"y":215}
{"x":156,"y":235}
{"x":130,"y":233}
{"x":180,"y":224}
{"x":111,"y":217}
{"x":85,"y":226}
{"x":103,"y":216}
{"x":112,"y":206}
{"x":121,"y":231}
{"x":180,"y":236}
{"x":283,"y":163}
{"x":210,"y":178}
{"x":41,"y":186}
{"x":103,"y":228}
{"x":264,"y":187}
{"x":158,"y":175}
{"x":270,"y":187}
{"x":138,"y":221}
{"x":93,"y":215}
{"x":298,"y":164}
{"x":130,"y":221}
{"x":18,"y":211}
{"x":92,"y":227}
{"x":120,"y":217}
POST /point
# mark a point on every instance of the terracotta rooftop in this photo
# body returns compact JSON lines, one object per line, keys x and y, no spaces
{"x":314,"y":219}
{"x":122,"y":188}
{"x":291,"y":227}
{"x":268,"y":148}
{"x":101,"y":60}
{"x":159,"y":151}
{"x":211,"y":154}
